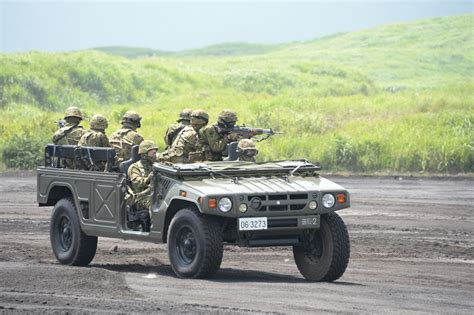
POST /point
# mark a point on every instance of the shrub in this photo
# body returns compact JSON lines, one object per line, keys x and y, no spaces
{"x":22,"y":152}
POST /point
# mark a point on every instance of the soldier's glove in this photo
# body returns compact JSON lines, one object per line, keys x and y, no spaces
{"x":233,"y":137}
{"x":253,"y":132}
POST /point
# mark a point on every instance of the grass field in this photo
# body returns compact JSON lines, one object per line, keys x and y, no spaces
{"x":397,"y":98}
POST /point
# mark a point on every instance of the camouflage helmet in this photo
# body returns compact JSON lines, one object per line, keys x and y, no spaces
{"x":246,"y":144}
{"x":185,"y":115}
{"x":201,"y":115}
{"x":73,"y":111}
{"x":98,"y":122}
{"x":131,"y":115}
{"x":146,"y":146}
{"x":227,"y":116}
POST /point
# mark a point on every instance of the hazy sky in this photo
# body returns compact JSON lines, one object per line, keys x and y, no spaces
{"x":72,"y":25}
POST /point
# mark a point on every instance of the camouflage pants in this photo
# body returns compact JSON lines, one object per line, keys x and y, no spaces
{"x":142,"y":201}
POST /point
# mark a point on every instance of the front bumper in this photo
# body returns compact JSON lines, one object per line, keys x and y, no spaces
{"x":280,"y":231}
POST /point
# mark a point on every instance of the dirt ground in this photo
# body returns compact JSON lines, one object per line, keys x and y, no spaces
{"x":412,"y":251}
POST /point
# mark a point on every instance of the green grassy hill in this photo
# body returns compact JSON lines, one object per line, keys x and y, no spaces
{"x":225,"y":49}
{"x":132,"y":52}
{"x":393,"y":98}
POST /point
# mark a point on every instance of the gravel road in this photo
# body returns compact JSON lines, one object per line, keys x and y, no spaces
{"x":412,"y":251}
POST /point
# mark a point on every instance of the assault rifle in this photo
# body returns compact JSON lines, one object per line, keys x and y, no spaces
{"x":247,"y":132}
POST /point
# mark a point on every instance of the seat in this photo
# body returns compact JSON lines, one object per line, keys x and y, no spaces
{"x":232,"y":151}
{"x":54,"y":154}
{"x":93,"y":158}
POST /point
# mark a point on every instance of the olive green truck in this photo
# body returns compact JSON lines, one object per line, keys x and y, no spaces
{"x":196,"y":209}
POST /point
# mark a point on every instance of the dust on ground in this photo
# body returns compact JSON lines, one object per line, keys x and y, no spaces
{"x":412,"y":251}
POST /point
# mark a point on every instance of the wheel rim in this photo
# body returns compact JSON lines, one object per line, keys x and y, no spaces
{"x":186,"y":246}
{"x":65,"y":233}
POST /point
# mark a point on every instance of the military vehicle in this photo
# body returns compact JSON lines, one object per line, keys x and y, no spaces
{"x":196,"y":209}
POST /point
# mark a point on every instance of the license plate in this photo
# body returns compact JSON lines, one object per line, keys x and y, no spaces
{"x":252,"y":224}
{"x":310,"y":221}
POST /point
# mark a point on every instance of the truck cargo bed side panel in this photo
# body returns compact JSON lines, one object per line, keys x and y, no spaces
{"x":96,"y":196}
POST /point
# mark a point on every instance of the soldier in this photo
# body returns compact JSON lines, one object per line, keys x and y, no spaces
{"x":71,"y":132}
{"x":214,"y":138}
{"x":140,"y":174}
{"x":246,"y":150}
{"x":96,"y":136}
{"x":173,"y":130}
{"x":187,"y":148}
{"x":123,"y":139}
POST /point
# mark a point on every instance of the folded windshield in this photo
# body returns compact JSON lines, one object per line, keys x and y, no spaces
{"x":238,"y":168}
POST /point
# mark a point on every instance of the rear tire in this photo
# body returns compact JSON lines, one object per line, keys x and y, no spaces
{"x":70,"y":245}
{"x":195,"y":244}
{"x":324,"y":254}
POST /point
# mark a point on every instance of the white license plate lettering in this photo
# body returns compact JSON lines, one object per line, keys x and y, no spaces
{"x":252,"y":224}
{"x":311,"y":221}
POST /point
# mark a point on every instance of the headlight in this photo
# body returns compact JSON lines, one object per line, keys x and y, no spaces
{"x":313,"y":205}
{"x":225,"y":204}
{"x":243,"y":207}
{"x":328,"y":200}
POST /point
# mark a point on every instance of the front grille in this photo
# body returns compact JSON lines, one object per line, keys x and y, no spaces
{"x":273,"y":223}
{"x":277,"y":197}
{"x":278,"y":202}
{"x":278,"y":208}
{"x":164,"y":185}
{"x":297,"y":206}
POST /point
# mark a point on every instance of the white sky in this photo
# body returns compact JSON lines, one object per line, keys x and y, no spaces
{"x":73,"y":25}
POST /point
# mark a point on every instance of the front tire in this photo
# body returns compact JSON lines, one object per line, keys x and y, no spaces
{"x":70,"y":245}
{"x":324,"y":253}
{"x":195,"y":244}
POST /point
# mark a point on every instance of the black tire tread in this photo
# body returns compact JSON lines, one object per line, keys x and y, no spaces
{"x":213,"y":243}
{"x":87,"y":244}
{"x":341,"y":247}
{"x":335,"y":256}
{"x":215,"y":248}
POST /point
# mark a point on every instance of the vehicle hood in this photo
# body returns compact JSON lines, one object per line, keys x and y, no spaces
{"x":262,"y":185}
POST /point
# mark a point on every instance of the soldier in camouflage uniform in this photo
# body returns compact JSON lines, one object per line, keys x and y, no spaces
{"x":246,"y":150}
{"x":214,"y":138}
{"x":95,"y":138}
{"x":123,"y":139}
{"x":187,"y":148}
{"x":173,"y":130}
{"x":71,"y":132}
{"x":140,"y":174}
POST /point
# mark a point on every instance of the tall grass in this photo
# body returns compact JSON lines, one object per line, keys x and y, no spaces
{"x":388,"y":99}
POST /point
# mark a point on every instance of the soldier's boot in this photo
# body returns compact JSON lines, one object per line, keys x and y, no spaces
{"x":138,"y":219}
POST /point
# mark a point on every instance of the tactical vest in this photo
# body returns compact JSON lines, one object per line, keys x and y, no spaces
{"x":122,"y":141}
{"x":94,"y":139}
{"x":172,"y":133}
{"x":69,"y":135}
